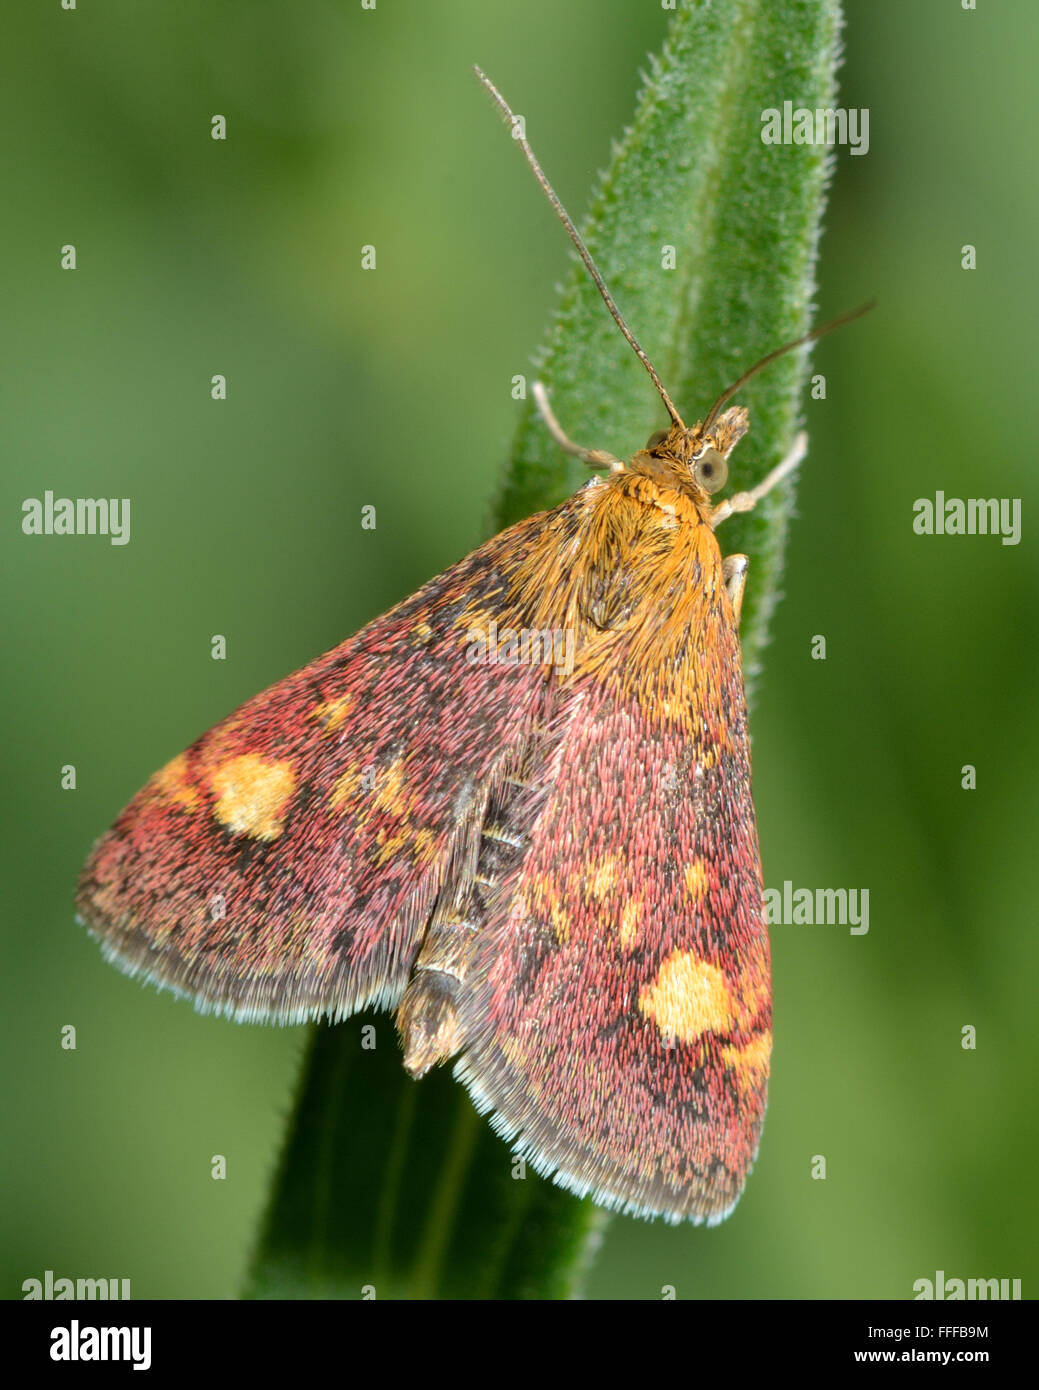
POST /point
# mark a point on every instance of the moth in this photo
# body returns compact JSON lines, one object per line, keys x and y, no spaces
{"x":549,"y":869}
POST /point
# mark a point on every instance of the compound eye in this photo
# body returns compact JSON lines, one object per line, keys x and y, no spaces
{"x":655,"y":439}
{"x":710,"y":470}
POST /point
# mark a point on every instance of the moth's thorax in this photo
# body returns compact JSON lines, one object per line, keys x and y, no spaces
{"x":662,"y":484}
{"x":640,"y":585}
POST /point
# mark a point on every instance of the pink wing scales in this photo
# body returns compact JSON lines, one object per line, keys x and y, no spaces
{"x":618,"y":1021}
{"x":285,"y":865}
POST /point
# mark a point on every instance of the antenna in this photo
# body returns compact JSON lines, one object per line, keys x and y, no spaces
{"x":838,"y":322}
{"x":575,"y":237}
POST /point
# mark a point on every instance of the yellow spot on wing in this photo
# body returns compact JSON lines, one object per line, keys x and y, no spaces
{"x":388,"y":793}
{"x":557,"y":915}
{"x":749,"y":1062}
{"x":345,"y":788}
{"x":252,"y":795}
{"x":755,"y":984}
{"x":543,"y":900}
{"x":629,"y":924}
{"x":477,"y":620}
{"x":696,"y":879}
{"x":171,"y":782}
{"x":688,"y":998}
{"x":421,"y":844}
{"x":371,"y":794}
{"x":333,"y":714}
{"x":601,"y":876}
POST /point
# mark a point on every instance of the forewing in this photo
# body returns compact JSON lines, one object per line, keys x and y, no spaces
{"x":285,"y":865}
{"x":618,"y":1024}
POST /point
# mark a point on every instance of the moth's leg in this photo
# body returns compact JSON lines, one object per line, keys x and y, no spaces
{"x":734,"y":573}
{"x":746,"y":501}
{"x":594,"y":458}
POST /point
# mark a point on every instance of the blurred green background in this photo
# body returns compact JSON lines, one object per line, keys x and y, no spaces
{"x":391,"y":388}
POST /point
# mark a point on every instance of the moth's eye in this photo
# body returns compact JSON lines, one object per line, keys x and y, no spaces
{"x":710,"y":470}
{"x":655,"y":439}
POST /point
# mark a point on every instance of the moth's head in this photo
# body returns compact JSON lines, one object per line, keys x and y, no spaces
{"x":700,"y":454}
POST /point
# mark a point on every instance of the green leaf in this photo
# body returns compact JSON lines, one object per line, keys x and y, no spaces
{"x":401,"y":1187}
{"x":398,"y":1187}
{"x":693,"y":173}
